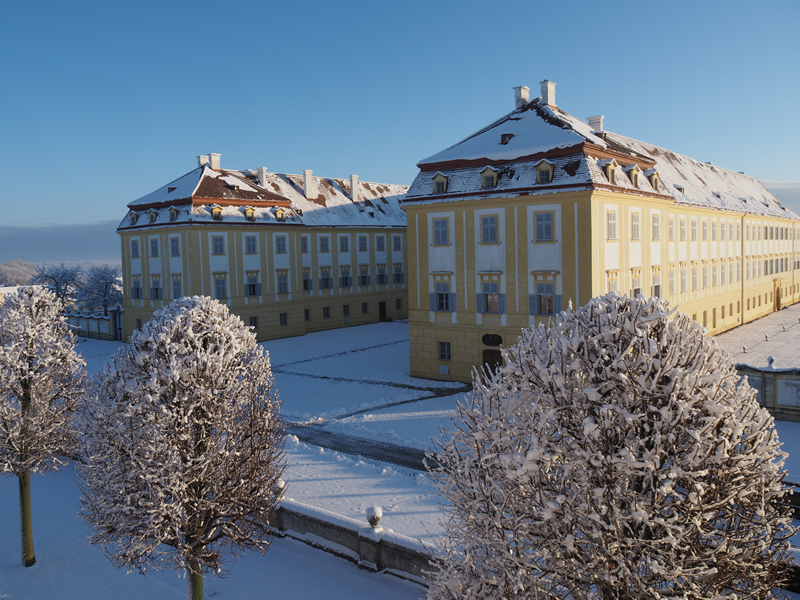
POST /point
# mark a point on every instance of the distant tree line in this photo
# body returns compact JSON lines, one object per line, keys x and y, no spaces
{"x":98,"y":287}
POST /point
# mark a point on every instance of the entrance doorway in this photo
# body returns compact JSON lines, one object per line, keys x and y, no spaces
{"x":492,"y":360}
{"x":382,"y":311}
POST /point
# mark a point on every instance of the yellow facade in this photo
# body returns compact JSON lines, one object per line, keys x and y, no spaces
{"x":720,"y":279}
{"x":258,"y":270}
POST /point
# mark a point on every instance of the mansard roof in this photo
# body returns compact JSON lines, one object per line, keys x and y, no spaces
{"x":328,"y":203}
{"x":539,"y":130}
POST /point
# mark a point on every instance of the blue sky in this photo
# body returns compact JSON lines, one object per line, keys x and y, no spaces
{"x":104,"y":102}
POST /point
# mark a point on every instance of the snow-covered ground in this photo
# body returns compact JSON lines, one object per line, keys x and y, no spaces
{"x":776,"y":335}
{"x":67,"y":567}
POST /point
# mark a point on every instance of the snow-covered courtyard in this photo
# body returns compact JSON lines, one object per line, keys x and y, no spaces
{"x":350,"y":381}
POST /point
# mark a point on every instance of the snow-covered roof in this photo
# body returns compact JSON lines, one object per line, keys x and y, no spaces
{"x":329,"y":202}
{"x":537,"y":130}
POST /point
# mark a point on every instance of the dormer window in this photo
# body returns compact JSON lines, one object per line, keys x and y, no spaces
{"x":216,"y":213}
{"x":152,"y":216}
{"x":134,"y":218}
{"x":489,"y":176}
{"x":679,"y":188}
{"x":505,"y":138}
{"x":171,"y":189}
{"x":633,"y":174}
{"x":610,"y":170}
{"x":280,"y":214}
{"x":652,"y":176}
{"x":544,"y":172}
{"x":439,"y":184}
{"x":250,"y":213}
{"x":173,"y":214}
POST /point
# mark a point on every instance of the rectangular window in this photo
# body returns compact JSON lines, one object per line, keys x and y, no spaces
{"x":442,"y":296}
{"x":635,"y":226}
{"x":440,"y":187}
{"x":252,"y":287}
{"x":220,"y":288}
{"x":154,"y":248}
{"x":280,"y":244}
{"x":683,"y":281}
{"x":398,"y":304}
{"x":722,"y":232}
{"x":713,"y":231}
{"x":382,"y":277}
{"x":694,"y":279}
{"x":307,"y":282}
{"x":671,"y":229}
{"x":380,"y":243}
{"x":731,"y":273}
{"x":671,"y":282}
{"x":155,"y":289}
{"x":250,"y":244}
{"x":134,"y":248}
{"x":346,"y":310}
{"x":362,"y":243}
{"x":176,"y":289}
{"x":546,"y":297}
{"x":611,"y":225}
{"x":345,"y":281}
{"x":444,"y":351}
{"x":682,"y":230}
{"x":217,"y":245}
{"x":136,"y":289}
{"x":344,"y":244}
{"x":283,"y":282}
{"x":705,"y":231}
{"x":364,"y":308}
{"x":326,"y":312}
{"x":657,"y":286}
{"x":440,"y":232}
{"x":656,"y":227}
{"x":694,"y":230}
{"x":398,"y":273}
{"x":397,"y":243}
{"x":284,"y":318}
{"x":544,"y":176}
{"x":636,"y":286}
{"x":174,"y":246}
{"x":254,"y":322}
{"x":490,"y":298}
{"x":714,"y":276}
{"x":306,"y":314}
{"x":544,"y":226}
{"x":747,"y":232}
{"x":324,"y":243}
{"x":489,"y":181}
{"x":705,"y":276}
{"x":304,"y":244}
{"x":489,"y":230}
{"x":363,"y":275}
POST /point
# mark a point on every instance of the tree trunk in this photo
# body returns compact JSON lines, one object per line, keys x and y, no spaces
{"x":195,"y":581}
{"x":26,"y":530}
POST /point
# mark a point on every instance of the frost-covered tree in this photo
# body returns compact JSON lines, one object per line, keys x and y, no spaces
{"x":62,"y":279}
{"x":16,"y":272}
{"x":184,"y":445}
{"x":101,"y":288}
{"x":616,"y":454}
{"x":41,"y":383}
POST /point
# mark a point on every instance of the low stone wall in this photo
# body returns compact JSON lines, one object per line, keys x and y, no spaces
{"x":90,"y":325}
{"x":778,"y":389}
{"x":375,"y":549}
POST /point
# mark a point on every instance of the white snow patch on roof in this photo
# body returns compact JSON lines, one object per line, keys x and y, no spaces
{"x":181,"y":188}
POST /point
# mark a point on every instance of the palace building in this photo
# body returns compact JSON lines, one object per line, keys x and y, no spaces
{"x":289,"y":254}
{"x":540,"y":209}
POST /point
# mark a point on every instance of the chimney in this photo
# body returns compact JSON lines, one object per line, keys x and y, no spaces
{"x":596,"y":122}
{"x":307,"y":183}
{"x":214,"y":159}
{"x":202,"y":160}
{"x":262,"y":176}
{"x":521,"y":95}
{"x":548,"y":92}
{"x":354,"y":188}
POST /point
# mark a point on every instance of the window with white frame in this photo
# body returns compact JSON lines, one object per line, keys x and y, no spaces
{"x":307,"y":281}
{"x":546,"y":294}
{"x":176,"y":288}
{"x":683,"y":280}
{"x":363,"y":275}
{"x":153,"y":248}
{"x":220,"y":287}
{"x":136,"y":289}
{"x":442,"y":296}
{"x":682,"y":230}
{"x":657,"y":285}
{"x":635,"y":226}
{"x":611,"y":225}
{"x":280,"y":244}
{"x":440,"y":232}
{"x":304,"y":244}
{"x":694,"y":230}
{"x":252,"y":287}
{"x":324,"y":243}
{"x":382,"y":277}
{"x":671,"y":228}
{"x":695,"y":280}
{"x":713,"y":231}
{"x":491,"y":298}
{"x":283,"y":282}
{"x":397,"y":243}
{"x":250,"y":246}
{"x":362,"y":243}
{"x":345,"y":280}
{"x":174,"y":246}
{"x":656,"y":227}
{"x":444,"y":351}
{"x":705,"y":276}
{"x":544,"y":227}
{"x":217,"y":245}
{"x":380,"y":243}
{"x":489,"y":229}
{"x":344,"y":243}
{"x":134,"y":248}
{"x":671,"y":282}
{"x":705,"y":231}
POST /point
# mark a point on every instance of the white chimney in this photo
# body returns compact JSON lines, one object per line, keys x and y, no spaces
{"x":596,"y":122}
{"x":214,"y":159}
{"x":307,"y":183}
{"x":354,"y":188}
{"x":262,"y":176}
{"x":521,"y":95}
{"x":548,"y":92}
{"x":202,"y":160}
